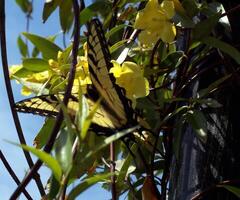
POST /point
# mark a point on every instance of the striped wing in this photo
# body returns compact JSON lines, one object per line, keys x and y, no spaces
{"x":48,"y":106}
{"x":114,"y":102}
{"x":45,"y":105}
{"x":115,"y":110}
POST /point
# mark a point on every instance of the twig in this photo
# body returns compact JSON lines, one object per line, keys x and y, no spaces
{"x":59,"y":118}
{"x":112,"y":170}
{"x":231,"y":11}
{"x":114,"y":15}
{"x":64,"y":40}
{"x":12,"y":174}
{"x":154,"y":52}
{"x":213,"y":187}
{"x":10,"y":93}
{"x":28,"y":23}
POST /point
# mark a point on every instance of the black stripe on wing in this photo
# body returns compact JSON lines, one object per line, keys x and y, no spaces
{"x":104,"y":83}
{"x":44,"y":105}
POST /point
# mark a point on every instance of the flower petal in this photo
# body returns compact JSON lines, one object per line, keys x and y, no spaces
{"x":140,"y":87}
{"x":148,"y":38}
{"x":168,"y":7}
{"x":168,"y":32}
{"x":26,"y":91}
{"x":131,"y":67}
{"x":116,"y":70}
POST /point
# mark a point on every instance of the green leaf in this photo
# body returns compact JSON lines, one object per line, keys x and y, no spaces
{"x":35,"y":52}
{"x":183,"y":20}
{"x":63,"y":150}
{"x":22,"y":73}
{"x":49,"y":8}
{"x":117,"y":45}
{"x":124,"y":169}
{"x":43,"y":135}
{"x":58,"y":85}
{"x":232,"y":189}
{"x":37,"y":88}
{"x":67,"y":117}
{"x":224,"y":47}
{"x":172,"y":60}
{"x":209,"y":102}
{"x":35,"y":64}
{"x":199,"y":123}
{"x":54,"y":188}
{"x":191,"y":7}
{"x":88,"y":182}
{"x":85,"y":15}
{"x":114,"y":30}
{"x":89,"y":12}
{"x":66,"y":20}
{"x":25,"y":5}
{"x":22,"y":47}
{"x":86,"y":117}
{"x":205,"y":27}
{"x":48,"y":49}
{"x":174,"y":113}
{"x":93,"y":9}
{"x":80,"y":168}
{"x":107,"y":141}
{"x":50,"y":162}
{"x":212,"y":87}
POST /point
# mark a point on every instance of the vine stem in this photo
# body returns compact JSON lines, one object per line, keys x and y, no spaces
{"x":112,"y":170}
{"x":12,"y":174}
{"x":59,"y":118}
{"x":231,"y":11}
{"x":28,"y":16}
{"x":10,"y":93}
{"x":213,"y":187}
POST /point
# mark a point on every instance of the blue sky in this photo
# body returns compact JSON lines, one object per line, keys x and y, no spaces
{"x":16,"y":23}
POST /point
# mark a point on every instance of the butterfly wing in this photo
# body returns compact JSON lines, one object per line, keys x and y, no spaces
{"x":49,"y":106}
{"x":45,"y":105}
{"x":114,"y":100}
{"x":115,"y":110}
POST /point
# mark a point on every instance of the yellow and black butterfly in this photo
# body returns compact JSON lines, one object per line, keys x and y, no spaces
{"x":115,"y":111}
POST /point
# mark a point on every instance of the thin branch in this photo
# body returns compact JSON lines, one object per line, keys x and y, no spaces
{"x":114,"y":15}
{"x":231,"y":11}
{"x":64,"y":40}
{"x":12,"y":174}
{"x":112,"y":170}
{"x":154,"y":52}
{"x":59,"y":118}
{"x":28,"y":23}
{"x":213,"y":187}
{"x":10,"y":93}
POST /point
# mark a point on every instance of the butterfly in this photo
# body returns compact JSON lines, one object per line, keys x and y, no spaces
{"x":115,"y":111}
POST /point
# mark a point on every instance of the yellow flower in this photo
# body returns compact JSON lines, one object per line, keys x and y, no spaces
{"x":40,"y":77}
{"x":26,"y":91}
{"x":82,"y":70}
{"x":54,"y":65}
{"x":154,"y":20}
{"x":62,"y":66}
{"x":82,"y":75}
{"x":129,"y":76}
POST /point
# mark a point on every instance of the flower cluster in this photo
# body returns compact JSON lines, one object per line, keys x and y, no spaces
{"x":128,"y":76}
{"x":155,"y":22}
{"x":55,"y":77}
